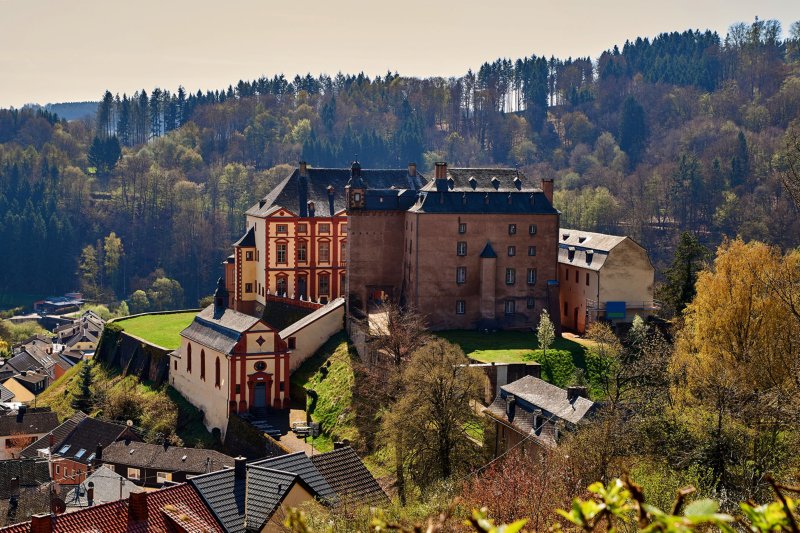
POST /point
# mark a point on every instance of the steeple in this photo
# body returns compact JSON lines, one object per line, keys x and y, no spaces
{"x":220,"y":298}
{"x":356,"y":188}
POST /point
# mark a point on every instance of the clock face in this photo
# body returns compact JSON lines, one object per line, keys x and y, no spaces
{"x":261,"y":366}
{"x":357,"y":197}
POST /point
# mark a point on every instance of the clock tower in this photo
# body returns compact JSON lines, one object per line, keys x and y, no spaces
{"x":356,"y":188}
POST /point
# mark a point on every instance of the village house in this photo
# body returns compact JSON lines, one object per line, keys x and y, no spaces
{"x":532,"y":413}
{"x":152,"y":465}
{"x":473,"y":248}
{"x":71,"y":447}
{"x":230,"y":362}
{"x":603,"y":277}
{"x":21,"y":427}
{"x":254,"y":496}
{"x":26,"y":386}
{"x":102,"y":486}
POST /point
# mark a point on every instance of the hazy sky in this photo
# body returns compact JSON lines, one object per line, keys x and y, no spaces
{"x":71,"y":50}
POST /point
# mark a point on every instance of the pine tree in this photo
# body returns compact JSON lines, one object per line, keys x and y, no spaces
{"x":83,"y":400}
{"x":681,"y":275}
{"x":632,"y":130}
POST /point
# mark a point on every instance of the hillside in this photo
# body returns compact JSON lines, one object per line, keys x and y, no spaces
{"x":686,"y":131}
{"x":158,"y":413}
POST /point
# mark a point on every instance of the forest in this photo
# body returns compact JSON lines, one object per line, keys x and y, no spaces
{"x":685,"y":131}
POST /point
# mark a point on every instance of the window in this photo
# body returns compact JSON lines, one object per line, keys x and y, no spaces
{"x":302,"y":228}
{"x":282,"y":228}
{"x":58,"y":469}
{"x":587,"y":279}
{"x":324,"y":252}
{"x":280,"y":285}
{"x":512,"y":251}
{"x":248,"y":256}
{"x":248,"y":288}
{"x":175,"y":366}
{"x":512,"y":229}
{"x":324,"y":228}
{"x":282,"y":386}
{"x":203,"y":365}
{"x":531,"y":276}
{"x":565,"y":308}
{"x":576,"y":276}
{"x":510,"y":307}
{"x":302,"y":251}
{"x":189,"y":359}
{"x":292,"y":343}
{"x":532,"y":229}
{"x":64,"y":449}
{"x":461,"y":275}
{"x":216,"y":373}
{"x":342,"y":283}
{"x":461,"y":307}
{"x":237,"y":389}
{"x":343,"y":252}
{"x":462,"y":227}
{"x":566,"y":274}
{"x":461,"y":248}
{"x":324,"y":284}
{"x":531,"y":251}
{"x":161,"y":477}
{"x":511,"y":276}
{"x":281,"y":253}
{"x":134,"y":473}
{"x":531,"y":302}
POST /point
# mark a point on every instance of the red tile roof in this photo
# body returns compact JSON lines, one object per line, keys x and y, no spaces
{"x":174,"y":509}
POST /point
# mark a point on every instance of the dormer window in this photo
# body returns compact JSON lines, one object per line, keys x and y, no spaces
{"x":564,"y":236}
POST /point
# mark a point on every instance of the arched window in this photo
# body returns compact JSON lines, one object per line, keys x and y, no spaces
{"x":280,"y":285}
{"x":216,"y":373}
{"x":203,"y":365}
{"x":189,"y":358}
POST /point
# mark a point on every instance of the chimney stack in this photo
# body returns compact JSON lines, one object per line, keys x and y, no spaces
{"x":441,"y":177}
{"x":21,"y":413}
{"x":547,"y":187}
{"x":412,"y":169}
{"x":575,"y":391}
{"x":240,"y":467}
{"x":137,"y":507}
{"x":90,"y":494}
{"x":98,"y":454}
{"x":41,"y":523}
{"x":330,"y":198}
{"x":311,"y":209}
{"x":303,"y":168}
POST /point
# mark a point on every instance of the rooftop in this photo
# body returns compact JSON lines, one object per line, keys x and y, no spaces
{"x":165,"y":458}
{"x":220,"y":332}
{"x":108,"y":487}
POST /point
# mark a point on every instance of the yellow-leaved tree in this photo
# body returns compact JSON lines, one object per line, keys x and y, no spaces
{"x":737,"y":365}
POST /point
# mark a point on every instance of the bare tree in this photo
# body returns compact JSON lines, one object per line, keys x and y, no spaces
{"x":790,"y":175}
{"x":399,"y":331}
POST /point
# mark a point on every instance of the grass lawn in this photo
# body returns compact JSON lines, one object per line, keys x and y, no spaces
{"x":163,"y":330}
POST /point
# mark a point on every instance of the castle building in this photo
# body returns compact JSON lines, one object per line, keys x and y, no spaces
{"x":296,"y":241}
{"x":230,"y":362}
{"x":603,"y":277}
{"x":475,"y":247}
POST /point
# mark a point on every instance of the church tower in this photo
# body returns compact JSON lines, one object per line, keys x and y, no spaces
{"x":356,"y":188}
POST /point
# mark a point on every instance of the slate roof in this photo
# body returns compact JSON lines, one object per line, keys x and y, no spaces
{"x":225,"y":497}
{"x":248,"y":240}
{"x":266,"y":489}
{"x":550,"y":398}
{"x":60,"y":433}
{"x":31,"y":378}
{"x":481,"y":179}
{"x":107,"y":487}
{"x":5,"y":394}
{"x":346,"y":474}
{"x":287,"y":193}
{"x":488,"y":252}
{"x":586,"y":249}
{"x":177,"y":508}
{"x":299,"y":463}
{"x":23,"y":361}
{"x":30,"y":472}
{"x":32,"y":422}
{"x":525,"y":202}
{"x":220,"y":333}
{"x":165,"y":458}
{"x":84,"y":335}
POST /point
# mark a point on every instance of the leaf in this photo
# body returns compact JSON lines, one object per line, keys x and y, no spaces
{"x":701,"y":507}
{"x":514,"y":527}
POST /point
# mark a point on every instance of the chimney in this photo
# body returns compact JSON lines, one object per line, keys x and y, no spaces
{"x":412,"y":169}
{"x":574,"y":392}
{"x":137,"y":507}
{"x":90,"y":494}
{"x":547,"y":187}
{"x":240,"y":468}
{"x":311,"y":209}
{"x":441,"y":177}
{"x":220,"y":298}
{"x":330,"y":198}
{"x":41,"y":523}
{"x":98,"y":454}
{"x":303,"y":169}
{"x":21,"y":413}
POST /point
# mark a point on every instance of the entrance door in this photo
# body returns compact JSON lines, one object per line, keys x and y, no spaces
{"x":260,"y":395}
{"x":301,"y":288}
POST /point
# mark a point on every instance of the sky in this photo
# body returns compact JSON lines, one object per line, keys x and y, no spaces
{"x":72,"y":50}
